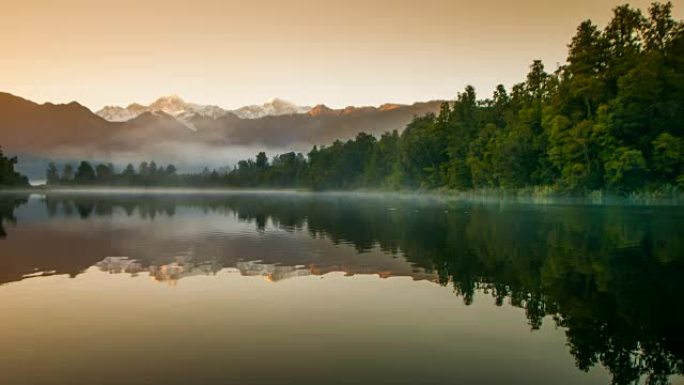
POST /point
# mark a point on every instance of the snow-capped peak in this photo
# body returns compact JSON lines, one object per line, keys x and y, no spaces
{"x":175,"y":106}
{"x":172,"y":105}
{"x":116,"y":114}
{"x":273,"y":107}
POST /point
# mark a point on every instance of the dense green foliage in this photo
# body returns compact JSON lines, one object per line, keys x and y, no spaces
{"x":8,"y":176}
{"x":610,"y":119}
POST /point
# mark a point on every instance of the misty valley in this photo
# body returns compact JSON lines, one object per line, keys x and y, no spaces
{"x":191,"y":286}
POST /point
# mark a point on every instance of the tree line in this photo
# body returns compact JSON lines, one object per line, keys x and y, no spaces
{"x":285,"y":170}
{"x":9,"y":177}
{"x":611,"y":119}
{"x":147,"y":173}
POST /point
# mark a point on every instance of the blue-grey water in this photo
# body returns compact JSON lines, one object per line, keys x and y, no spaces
{"x":302,"y":288}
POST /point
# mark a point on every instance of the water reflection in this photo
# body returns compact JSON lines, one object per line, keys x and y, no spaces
{"x":8,"y":202}
{"x":610,"y":276}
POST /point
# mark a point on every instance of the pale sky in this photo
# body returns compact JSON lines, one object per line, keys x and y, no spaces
{"x":233,"y":53}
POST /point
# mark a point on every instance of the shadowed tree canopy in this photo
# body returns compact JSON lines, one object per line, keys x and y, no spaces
{"x":9,"y":177}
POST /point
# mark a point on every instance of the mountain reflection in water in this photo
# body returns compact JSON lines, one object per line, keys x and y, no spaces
{"x":609,"y":276}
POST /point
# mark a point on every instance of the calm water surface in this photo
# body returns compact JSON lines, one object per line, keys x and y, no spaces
{"x":276,"y":288}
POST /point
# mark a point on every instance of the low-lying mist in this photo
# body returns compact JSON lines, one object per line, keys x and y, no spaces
{"x":186,"y":157}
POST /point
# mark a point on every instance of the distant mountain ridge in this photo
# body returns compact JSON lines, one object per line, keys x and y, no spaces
{"x":161,"y":130}
{"x":175,"y":106}
{"x":274,"y":107}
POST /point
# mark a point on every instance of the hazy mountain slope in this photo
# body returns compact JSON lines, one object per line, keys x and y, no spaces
{"x":29,"y":127}
{"x":321,"y":125}
{"x":71,"y":131}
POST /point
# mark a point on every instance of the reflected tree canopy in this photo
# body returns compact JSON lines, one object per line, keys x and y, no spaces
{"x":610,"y":276}
{"x":8,"y":202}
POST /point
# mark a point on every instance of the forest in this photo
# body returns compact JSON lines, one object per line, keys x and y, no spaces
{"x":610,"y":119}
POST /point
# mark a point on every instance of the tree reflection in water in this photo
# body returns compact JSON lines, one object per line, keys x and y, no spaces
{"x":9,"y":202}
{"x":610,"y":276}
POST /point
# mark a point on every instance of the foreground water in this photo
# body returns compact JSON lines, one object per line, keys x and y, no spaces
{"x":275,"y":288}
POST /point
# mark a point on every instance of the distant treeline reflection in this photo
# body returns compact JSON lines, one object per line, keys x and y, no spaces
{"x":611,"y":277}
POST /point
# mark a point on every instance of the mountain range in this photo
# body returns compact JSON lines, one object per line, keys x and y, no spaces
{"x":165,"y":128}
{"x":175,"y":106}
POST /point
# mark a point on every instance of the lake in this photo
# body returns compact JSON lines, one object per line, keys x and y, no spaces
{"x":132,"y":287}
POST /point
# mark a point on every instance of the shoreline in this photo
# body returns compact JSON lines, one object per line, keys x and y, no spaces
{"x":530,"y":195}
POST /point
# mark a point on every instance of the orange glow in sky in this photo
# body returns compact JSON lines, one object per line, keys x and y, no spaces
{"x":233,"y":53}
